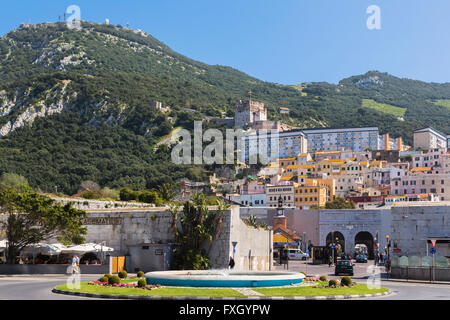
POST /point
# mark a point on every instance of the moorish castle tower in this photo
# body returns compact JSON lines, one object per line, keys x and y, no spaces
{"x":249,"y":112}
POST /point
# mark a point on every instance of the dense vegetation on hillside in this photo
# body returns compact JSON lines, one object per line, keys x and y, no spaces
{"x":61,"y":152}
{"x":87,"y":95}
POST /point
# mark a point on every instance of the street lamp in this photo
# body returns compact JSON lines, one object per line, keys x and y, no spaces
{"x":388,"y":246}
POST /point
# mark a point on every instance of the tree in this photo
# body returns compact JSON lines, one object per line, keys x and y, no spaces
{"x":33,"y":218}
{"x":90,"y":185}
{"x":199,"y":228}
{"x":167,"y":191}
{"x":149,"y":197}
{"x":12,"y":180}
{"x":340,"y":203}
{"x":252,"y":221}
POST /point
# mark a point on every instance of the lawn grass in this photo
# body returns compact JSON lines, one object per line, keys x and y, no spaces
{"x":314,"y":291}
{"x":161,"y":292}
{"x":306,"y":291}
{"x":382,"y":107}
{"x":442,"y":103}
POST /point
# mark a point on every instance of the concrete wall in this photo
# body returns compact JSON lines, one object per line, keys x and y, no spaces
{"x":351,"y":222}
{"x":51,"y":269}
{"x":420,"y":273}
{"x":413,"y":224}
{"x":254,"y":246}
{"x":152,"y":226}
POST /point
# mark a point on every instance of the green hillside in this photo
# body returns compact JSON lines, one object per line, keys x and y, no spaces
{"x":101,"y":80}
{"x":383,"y":107}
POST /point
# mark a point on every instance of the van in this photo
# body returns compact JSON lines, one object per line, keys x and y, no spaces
{"x":297,"y":254}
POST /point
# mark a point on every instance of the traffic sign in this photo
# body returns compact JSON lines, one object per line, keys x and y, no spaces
{"x":433,"y":242}
{"x":432,"y":250}
{"x":333,"y":247}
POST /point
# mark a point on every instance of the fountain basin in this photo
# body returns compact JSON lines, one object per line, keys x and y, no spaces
{"x":226,"y":278}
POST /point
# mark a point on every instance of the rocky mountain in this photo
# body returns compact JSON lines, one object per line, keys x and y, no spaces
{"x":75,"y":105}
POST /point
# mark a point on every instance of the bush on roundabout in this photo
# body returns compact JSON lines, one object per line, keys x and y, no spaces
{"x":140,"y":274}
{"x":333,"y":283}
{"x":114,"y":280}
{"x":123,"y":274}
{"x":103,"y":279}
{"x":141,"y":283}
{"x":108,"y":275}
{"x":346,"y":281}
{"x":323,"y":278}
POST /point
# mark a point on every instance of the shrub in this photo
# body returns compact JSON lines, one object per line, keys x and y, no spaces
{"x":123,"y":274}
{"x":149,"y":197}
{"x":114,"y":280}
{"x":108,"y":275}
{"x":90,"y":195}
{"x":140,"y":274}
{"x":333,"y":283}
{"x":126,"y":194}
{"x":141,"y":283}
{"x":346,"y":281}
{"x":103,"y":279}
{"x":323,"y":278}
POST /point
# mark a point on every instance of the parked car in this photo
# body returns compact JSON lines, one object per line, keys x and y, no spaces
{"x":361,"y":258}
{"x":343,"y":267}
{"x":297,"y":254}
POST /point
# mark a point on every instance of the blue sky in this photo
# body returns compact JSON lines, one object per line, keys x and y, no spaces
{"x":288,"y":41}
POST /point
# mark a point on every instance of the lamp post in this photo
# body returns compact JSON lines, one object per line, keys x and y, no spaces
{"x":388,"y":244}
{"x":332,"y":246}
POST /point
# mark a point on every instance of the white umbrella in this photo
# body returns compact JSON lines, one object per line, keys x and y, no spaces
{"x":3,"y":245}
{"x":44,"y":248}
{"x":87,"y":247}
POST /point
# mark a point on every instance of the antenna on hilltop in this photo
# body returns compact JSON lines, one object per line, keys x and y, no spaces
{"x":128,"y":24}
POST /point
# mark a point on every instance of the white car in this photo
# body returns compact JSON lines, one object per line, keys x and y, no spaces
{"x":297,"y":254}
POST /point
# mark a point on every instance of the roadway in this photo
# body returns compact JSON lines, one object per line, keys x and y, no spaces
{"x":38,"y":287}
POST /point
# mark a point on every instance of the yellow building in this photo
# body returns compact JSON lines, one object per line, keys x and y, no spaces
{"x":284,"y":163}
{"x":330,"y":184}
{"x":300,"y":170}
{"x":307,"y":196}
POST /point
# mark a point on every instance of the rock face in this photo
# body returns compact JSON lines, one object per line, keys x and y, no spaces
{"x":20,"y":110}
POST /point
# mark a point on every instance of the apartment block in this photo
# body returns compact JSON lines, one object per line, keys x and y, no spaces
{"x":429,"y":138}
{"x":355,"y":139}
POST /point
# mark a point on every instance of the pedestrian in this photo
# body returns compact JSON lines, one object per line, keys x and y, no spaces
{"x":231,"y":264}
{"x":330,"y":261}
{"x":74,"y":264}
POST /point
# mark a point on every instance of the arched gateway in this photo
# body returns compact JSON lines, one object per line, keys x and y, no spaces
{"x":366,"y":238}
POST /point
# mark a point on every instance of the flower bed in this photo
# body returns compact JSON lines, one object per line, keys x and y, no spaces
{"x":124,"y":285}
{"x":311,"y":279}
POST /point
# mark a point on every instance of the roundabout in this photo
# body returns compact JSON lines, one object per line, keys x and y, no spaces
{"x":223,"y":278}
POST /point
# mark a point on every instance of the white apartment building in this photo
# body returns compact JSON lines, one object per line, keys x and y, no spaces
{"x":429,"y":138}
{"x":355,"y":139}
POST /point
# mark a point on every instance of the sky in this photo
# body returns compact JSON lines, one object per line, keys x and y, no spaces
{"x":284,"y":41}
